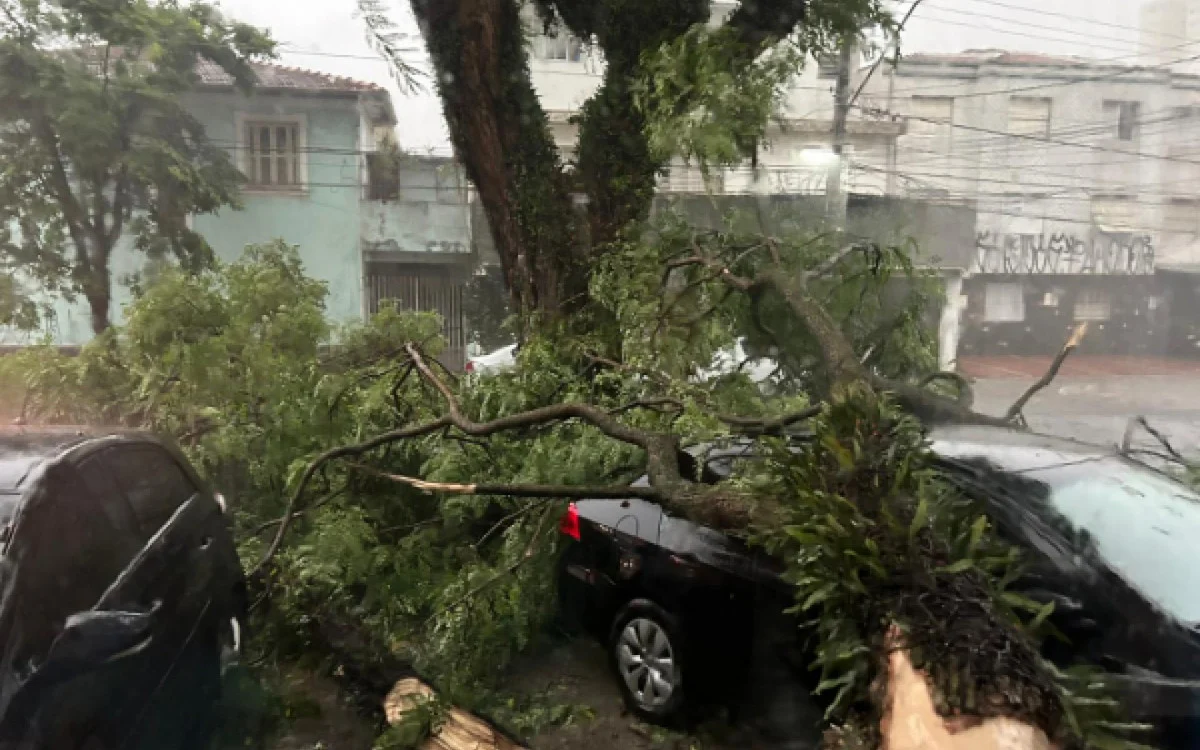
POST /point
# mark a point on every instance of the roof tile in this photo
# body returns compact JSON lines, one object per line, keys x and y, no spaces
{"x":271,"y":76}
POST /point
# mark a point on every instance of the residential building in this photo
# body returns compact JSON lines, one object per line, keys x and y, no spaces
{"x":306,"y":143}
{"x":1085,"y":179}
{"x":1166,"y":30}
{"x":794,"y":160}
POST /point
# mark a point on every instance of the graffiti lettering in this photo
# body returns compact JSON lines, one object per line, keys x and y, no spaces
{"x":1106,"y":254}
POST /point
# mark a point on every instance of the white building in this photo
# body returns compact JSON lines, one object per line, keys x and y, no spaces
{"x":1048,"y":145}
{"x":1166,"y":28}
{"x":1085,"y":178}
{"x":795,"y":160}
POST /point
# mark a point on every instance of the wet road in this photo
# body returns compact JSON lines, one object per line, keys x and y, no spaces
{"x":1093,"y":399}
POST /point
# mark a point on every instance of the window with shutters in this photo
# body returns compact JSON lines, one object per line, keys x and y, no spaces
{"x":272,"y":152}
{"x":559,"y":46}
{"x":930,"y":122}
{"x":1004,"y":302}
{"x":1029,"y":115}
{"x":1093,"y":304}
{"x":1114,"y":212}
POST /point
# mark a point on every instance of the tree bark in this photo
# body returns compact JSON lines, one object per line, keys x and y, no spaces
{"x":502,"y":135}
{"x":97,"y":287}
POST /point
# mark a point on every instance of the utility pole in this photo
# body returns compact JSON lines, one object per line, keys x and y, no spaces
{"x":835,"y":194}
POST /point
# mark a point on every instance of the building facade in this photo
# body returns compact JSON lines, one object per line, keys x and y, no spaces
{"x":1084,"y":178}
{"x":305,"y":142}
{"x":794,"y":160}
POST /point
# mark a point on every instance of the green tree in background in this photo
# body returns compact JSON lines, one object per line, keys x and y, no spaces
{"x":95,"y":141}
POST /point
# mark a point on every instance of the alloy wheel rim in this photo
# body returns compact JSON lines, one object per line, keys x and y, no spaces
{"x":647,"y":662}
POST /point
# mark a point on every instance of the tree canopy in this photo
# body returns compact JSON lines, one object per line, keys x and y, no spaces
{"x":97,"y":142}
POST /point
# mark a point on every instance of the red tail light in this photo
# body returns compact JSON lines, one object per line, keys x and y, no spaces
{"x":569,"y":524}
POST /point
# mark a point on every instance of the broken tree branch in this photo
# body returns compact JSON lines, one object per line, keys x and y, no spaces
{"x":564,"y":491}
{"x":1014,"y":411}
{"x":720,"y":508}
{"x":763,"y":427}
{"x":1174,"y":455}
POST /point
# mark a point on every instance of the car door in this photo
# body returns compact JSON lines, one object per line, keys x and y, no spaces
{"x":64,"y":552}
{"x":187,"y":571}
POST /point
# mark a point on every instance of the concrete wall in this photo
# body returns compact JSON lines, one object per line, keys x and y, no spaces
{"x":1046,"y":183}
{"x":430,"y":213}
{"x":324,"y":219}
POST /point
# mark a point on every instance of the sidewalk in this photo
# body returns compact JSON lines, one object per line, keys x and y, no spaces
{"x":1076,"y":366}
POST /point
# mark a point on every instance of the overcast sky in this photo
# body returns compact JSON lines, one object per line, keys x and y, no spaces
{"x":326,"y":35}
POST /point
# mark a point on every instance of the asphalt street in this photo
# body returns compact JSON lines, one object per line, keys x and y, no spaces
{"x":1095,"y":400}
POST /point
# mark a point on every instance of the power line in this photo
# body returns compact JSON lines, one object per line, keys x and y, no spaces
{"x":1071,"y":17}
{"x":1140,"y":190}
{"x":987,"y":145}
{"x":1028,"y":24}
{"x":1085,"y":146}
{"x":1079,"y":61}
{"x":1058,"y":84}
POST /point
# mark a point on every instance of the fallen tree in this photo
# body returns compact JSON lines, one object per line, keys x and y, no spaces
{"x":877,"y":545}
{"x":394,"y":509}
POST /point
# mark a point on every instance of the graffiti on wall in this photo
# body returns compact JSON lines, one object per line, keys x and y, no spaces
{"x":1011,"y":253}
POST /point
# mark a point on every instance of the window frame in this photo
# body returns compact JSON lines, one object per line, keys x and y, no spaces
{"x":937,"y":133}
{"x":1044,"y":130}
{"x":243,"y":120}
{"x":988,"y":309}
{"x":1092,"y":305}
{"x":1127,"y":128}
{"x":571,"y":47}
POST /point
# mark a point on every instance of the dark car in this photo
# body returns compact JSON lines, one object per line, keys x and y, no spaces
{"x":1111,"y":541}
{"x":120,"y":593}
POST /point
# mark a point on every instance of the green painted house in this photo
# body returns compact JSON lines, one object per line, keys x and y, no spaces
{"x":306,"y":143}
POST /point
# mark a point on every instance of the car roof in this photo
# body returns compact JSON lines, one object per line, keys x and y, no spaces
{"x":24,"y":447}
{"x":1012,"y":449}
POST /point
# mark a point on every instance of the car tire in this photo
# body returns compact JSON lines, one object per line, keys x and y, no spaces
{"x":646,"y":650}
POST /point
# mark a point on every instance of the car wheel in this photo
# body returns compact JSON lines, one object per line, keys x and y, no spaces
{"x":646,"y":648}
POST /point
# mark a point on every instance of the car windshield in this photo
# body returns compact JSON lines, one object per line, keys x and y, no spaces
{"x":1143,"y":524}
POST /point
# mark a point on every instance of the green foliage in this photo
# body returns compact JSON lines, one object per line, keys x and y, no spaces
{"x":16,"y":308}
{"x":529,"y":716}
{"x":705,"y":102}
{"x":729,"y":105}
{"x":422,"y":719}
{"x":876,"y":296}
{"x":95,"y":139}
{"x":886,"y":554}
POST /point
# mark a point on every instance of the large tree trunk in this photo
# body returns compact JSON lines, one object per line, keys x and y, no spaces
{"x":502,"y":136}
{"x":616,"y":167}
{"x":97,"y":289}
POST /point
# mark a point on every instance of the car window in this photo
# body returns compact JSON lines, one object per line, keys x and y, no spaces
{"x":67,"y":553}
{"x":152,"y":481}
{"x":104,"y":492}
{"x":1143,"y":524}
